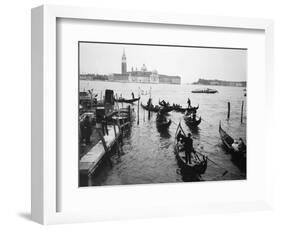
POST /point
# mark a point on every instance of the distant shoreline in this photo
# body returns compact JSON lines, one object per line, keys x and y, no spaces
{"x":131,"y":82}
{"x":216,"y":82}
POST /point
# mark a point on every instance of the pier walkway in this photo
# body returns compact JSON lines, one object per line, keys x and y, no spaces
{"x":90,"y":161}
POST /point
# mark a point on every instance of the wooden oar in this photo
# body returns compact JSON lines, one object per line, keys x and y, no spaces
{"x":225,"y":172}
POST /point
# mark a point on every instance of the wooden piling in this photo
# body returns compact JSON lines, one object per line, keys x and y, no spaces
{"x":242,"y":111}
{"x":138,"y":112}
{"x":228,"y":110}
{"x":103,"y":141}
{"x":115,"y":134}
{"x":117,"y":141}
{"x":149,"y":103}
{"x":129,"y":113}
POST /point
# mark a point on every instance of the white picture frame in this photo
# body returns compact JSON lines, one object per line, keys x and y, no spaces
{"x":44,"y":206}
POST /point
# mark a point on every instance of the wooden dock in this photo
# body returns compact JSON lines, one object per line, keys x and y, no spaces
{"x":90,"y":161}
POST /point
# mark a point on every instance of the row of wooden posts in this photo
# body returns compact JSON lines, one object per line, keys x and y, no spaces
{"x":120,"y":127}
{"x":228,"y":111}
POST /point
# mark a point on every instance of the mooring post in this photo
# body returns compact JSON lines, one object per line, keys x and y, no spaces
{"x":115,"y":133}
{"x":149,"y":107}
{"x":103,"y":141}
{"x":138,"y":112}
{"x":242,"y":111}
{"x":129,"y":113}
{"x":228,"y":110}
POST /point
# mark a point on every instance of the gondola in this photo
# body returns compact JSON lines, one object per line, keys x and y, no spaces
{"x":151,"y":108}
{"x":123,"y":100}
{"x":207,"y":91}
{"x":228,"y":142}
{"x":198,"y":163}
{"x":190,"y":122}
{"x":156,"y":108}
{"x":163,"y":124}
{"x":161,"y":121}
{"x":166,"y":106}
{"x":178,"y":108}
{"x":164,"y":103}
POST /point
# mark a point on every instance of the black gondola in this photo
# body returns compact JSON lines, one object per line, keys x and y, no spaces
{"x":228,"y":143}
{"x":156,"y":108}
{"x":178,"y":108}
{"x":163,"y":124}
{"x":123,"y":100}
{"x":198,"y":163}
{"x":151,"y":108}
{"x":161,"y":121}
{"x":192,"y":123}
{"x":164,"y":103}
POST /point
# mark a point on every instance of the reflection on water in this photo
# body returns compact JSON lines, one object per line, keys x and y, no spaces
{"x":147,"y":154}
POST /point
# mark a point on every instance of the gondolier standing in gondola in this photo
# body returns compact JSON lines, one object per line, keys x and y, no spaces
{"x":189,"y":103}
{"x":194,"y":116}
{"x":187,"y":145}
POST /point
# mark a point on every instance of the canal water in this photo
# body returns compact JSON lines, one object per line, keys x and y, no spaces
{"x":147,"y":155}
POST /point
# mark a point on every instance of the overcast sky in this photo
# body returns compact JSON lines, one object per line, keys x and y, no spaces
{"x":189,"y":63}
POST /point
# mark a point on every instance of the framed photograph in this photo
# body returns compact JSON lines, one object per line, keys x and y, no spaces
{"x":139,"y":114}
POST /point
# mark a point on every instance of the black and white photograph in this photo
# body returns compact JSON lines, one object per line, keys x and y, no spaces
{"x":156,"y":113}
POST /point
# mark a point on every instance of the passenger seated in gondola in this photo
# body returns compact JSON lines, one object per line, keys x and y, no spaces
{"x":187,"y":146}
{"x":238,"y":145}
{"x":235,"y":145}
{"x":241,"y":144}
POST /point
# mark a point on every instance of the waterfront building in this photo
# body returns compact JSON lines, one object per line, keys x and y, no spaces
{"x":143,"y":75}
{"x":124,"y":63}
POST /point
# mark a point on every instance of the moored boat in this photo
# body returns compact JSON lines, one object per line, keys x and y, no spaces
{"x":206,"y":90}
{"x":151,"y":108}
{"x":239,"y":153}
{"x":156,"y":108}
{"x":192,"y":122}
{"x":161,"y":121}
{"x":180,"y":109}
{"x":123,"y":100}
{"x":163,"y":124}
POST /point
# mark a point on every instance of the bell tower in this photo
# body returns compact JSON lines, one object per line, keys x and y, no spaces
{"x":124,"y":63}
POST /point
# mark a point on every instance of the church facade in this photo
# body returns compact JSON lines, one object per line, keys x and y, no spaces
{"x":142,"y":76}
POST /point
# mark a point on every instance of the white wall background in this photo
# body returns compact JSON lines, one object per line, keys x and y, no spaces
{"x":15,"y":111}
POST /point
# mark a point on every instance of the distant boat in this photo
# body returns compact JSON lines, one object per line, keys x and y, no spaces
{"x":207,"y":90}
{"x":123,"y":100}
